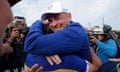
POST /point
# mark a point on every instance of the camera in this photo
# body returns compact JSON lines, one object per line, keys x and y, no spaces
{"x":24,"y":31}
{"x":19,"y":20}
{"x":91,"y":35}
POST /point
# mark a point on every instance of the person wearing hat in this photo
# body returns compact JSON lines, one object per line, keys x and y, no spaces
{"x":63,"y":46}
{"x":104,"y":46}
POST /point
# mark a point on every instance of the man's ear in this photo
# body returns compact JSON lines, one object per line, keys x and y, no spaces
{"x":69,"y":16}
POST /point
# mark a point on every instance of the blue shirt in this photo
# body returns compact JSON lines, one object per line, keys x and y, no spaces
{"x":71,"y":44}
{"x":106,"y":50}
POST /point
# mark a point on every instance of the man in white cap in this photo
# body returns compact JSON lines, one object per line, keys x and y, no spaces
{"x":64,"y":48}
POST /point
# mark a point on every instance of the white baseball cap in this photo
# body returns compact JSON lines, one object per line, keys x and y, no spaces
{"x":98,"y":31}
{"x":56,"y":7}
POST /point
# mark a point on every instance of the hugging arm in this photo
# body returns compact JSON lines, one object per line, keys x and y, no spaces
{"x":68,"y":40}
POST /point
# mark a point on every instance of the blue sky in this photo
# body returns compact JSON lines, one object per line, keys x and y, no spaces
{"x":87,"y":12}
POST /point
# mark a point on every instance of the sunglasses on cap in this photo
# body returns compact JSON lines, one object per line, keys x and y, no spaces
{"x":48,"y":16}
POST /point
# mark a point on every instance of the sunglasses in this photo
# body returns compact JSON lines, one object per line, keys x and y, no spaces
{"x":49,"y":16}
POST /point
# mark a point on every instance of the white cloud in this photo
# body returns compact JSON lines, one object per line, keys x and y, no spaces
{"x":84,"y":11}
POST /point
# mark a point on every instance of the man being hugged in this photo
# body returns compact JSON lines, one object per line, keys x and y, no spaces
{"x":64,"y":48}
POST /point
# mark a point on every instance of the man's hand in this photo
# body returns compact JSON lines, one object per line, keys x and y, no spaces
{"x":53,"y":59}
{"x":93,"y":40}
{"x":34,"y":68}
{"x":114,"y":59}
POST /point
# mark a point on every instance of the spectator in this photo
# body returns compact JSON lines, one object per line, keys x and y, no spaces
{"x":105,"y":47}
{"x":15,"y":35}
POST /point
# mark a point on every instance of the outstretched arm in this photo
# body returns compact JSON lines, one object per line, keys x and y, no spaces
{"x":95,"y":59}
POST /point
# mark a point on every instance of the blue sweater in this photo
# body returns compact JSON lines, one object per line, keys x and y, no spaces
{"x":106,"y":50}
{"x":71,"y":44}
